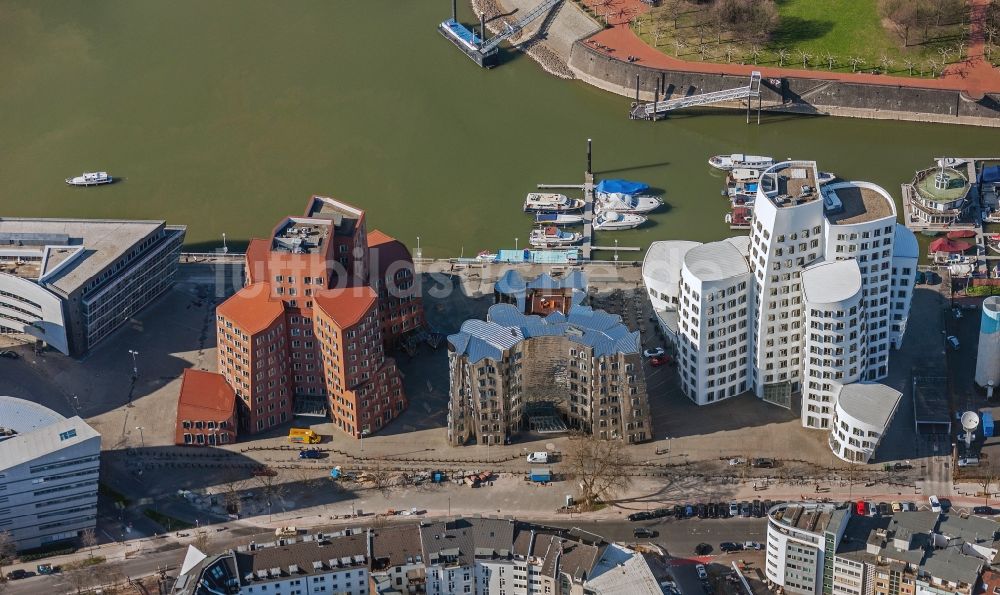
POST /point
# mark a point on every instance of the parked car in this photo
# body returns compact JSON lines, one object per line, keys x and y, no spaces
{"x":763,"y":463}
{"x":935,"y":503}
{"x":311,"y":453}
{"x":654,"y":352}
{"x":702,"y":511}
{"x":639,"y":516}
{"x":751,"y":545}
{"x":660,"y":513}
{"x":982,"y":510}
{"x":767,"y":504}
{"x":953,"y":342}
{"x":46,"y":569}
{"x":744,"y":509}
{"x":908,"y":506}
{"x":7,"y":353}
{"x":678,"y":511}
{"x":883,"y":509}
{"x":18,"y":574}
{"x":689,"y":510}
{"x":700,"y":568}
{"x":538,"y":457}
{"x":921,"y":278}
{"x":723,"y":510}
{"x":286,"y":532}
{"x":968,"y":462}
{"x":730,"y":546}
{"x":643,"y":533}
{"x":737,"y":461}
{"x":861,"y":508}
{"x":659,"y":361}
{"x":756,"y":509}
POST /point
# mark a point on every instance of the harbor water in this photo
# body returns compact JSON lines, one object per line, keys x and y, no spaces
{"x":227,"y":115}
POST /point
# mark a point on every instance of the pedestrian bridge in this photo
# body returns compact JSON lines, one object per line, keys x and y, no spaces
{"x":655,"y":109}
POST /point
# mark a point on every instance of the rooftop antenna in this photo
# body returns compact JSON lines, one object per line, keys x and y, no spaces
{"x":970,"y":423}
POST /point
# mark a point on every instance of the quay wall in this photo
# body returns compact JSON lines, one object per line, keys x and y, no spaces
{"x":795,"y":95}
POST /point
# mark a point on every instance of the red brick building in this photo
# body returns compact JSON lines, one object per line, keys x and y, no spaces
{"x":317,"y":267}
{"x":206,"y":410}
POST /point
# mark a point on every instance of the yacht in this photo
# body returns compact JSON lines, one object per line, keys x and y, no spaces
{"x":541,"y":201}
{"x":825,"y":177}
{"x":613,"y":221}
{"x":628,"y":203}
{"x":739,"y":160}
{"x":95,"y":178}
{"x":550,"y":237}
{"x":558,"y":219}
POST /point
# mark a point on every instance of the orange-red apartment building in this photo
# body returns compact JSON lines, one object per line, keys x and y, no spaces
{"x":311,"y":277}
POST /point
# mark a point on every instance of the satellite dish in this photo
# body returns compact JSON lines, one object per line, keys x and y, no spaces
{"x":970,"y":421}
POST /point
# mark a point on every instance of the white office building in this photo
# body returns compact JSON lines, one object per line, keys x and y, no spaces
{"x":49,"y":468}
{"x":809,"y":303}
{"x":801,"y":541}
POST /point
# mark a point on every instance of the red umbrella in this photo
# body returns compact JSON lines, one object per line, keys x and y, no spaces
{"x":961,"y":233}
{"x":946,"y":245}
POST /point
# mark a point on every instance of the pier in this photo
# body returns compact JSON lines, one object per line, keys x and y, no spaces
{"x":658,"y":109}
{"x":484,"y":51}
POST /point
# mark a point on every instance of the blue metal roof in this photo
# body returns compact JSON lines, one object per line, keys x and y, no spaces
{"x":506,"y":326}
{"x":513,"y":284}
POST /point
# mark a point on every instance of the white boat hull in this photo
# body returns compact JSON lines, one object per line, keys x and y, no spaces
{"x":629,"y":204}
{"x":740,"y":161}
{"x":551,"y":203}
{"x":614,"y":221}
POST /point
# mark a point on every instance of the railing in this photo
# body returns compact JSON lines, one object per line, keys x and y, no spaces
{"x":532,"y":14}
{"x":648,"y":110}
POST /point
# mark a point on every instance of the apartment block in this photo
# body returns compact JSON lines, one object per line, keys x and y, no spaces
{"x":69,"y":283}
{"x":515,"y":372}
{"x":49,"y":468}
{"x":306,"y":335}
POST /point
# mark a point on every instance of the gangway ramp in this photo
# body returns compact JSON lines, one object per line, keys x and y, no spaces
{"x":484,"y":51}
{"x":654,"y":109}
{"x":514,"y":29}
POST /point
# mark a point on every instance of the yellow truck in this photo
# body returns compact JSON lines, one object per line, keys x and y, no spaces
{"x":303,"y":436}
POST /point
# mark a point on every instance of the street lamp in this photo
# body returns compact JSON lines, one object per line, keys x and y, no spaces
{"x":135,"y":366}
{"x":616,"y":249}
{"x":515,"y":244}
{"x":142,"y":441}
{"x":225,"y":249}
{"x":364,"y":432}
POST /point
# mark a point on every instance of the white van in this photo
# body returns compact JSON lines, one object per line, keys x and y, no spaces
{"x":538,"y":457}
{"x":935,"y":503}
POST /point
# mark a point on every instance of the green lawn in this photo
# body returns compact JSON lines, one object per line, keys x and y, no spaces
{"x":843,"y":29}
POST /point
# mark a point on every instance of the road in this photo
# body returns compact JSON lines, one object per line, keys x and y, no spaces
{"x":678,"y":538}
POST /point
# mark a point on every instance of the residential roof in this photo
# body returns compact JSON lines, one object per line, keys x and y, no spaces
{"x":950,"y":564}
{"x":465,"y":539}
{"x":812,"y":517}
{"x":831,"y":282}
{"x":663,"y":260}
{"x":512,"y":284}
{"x":252,"y":308}
{"x":346,"y":306}
{"x":506,"y":326}
{"x":396,"y":546}
{"x":869,"y":402}
{"x":716,"y":261}
{"x":346,"y":218}
{"x":39,"y":432}
{"x":789,"y":183}
{"x":315,"y":556}
{"x":205,"y":396}
{"x":103,"y":241}
{"x":622,"y":571}
{"x":860,"y":202}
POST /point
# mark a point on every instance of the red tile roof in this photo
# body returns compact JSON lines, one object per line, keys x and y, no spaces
{"x":256,"y":258}
{"x":346,"y":307}
{"x":386,"y":251}
{"x":252,"y":308}
{"x":378,"y":237}
{"x":205,"y":396}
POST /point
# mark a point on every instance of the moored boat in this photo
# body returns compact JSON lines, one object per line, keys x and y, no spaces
{"x":545,"y":202}
{"x":825,"y":177}
{"x":558,"y":219}
{"x":628,"y":203}
{"x":740,"y":160}
{"x":553,"y":236}
{"x":613,"y":220}
{"x":95,"y":178}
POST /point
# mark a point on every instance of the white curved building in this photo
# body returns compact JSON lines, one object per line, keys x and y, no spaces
{"x":661,"y":274}
{"x":862,"y":415}
{"x":988,"y":356}
{"x":27,"y":308}
{"x":834,"y":338}
{"x":800,"y":540}
{"x":713,"y":359}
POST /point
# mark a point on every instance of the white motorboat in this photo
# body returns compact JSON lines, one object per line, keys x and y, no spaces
{"x":550,"y":237}
{"x":825,"y":177}
{"x":558,"y":219}
{"x":742,"y":174}
{"x":546,"y":202}
{"x":950,"y":161}
{"x":739,"y":160}
{"x":613,"y":221}
{"x":95,"y":178}
{"x":628,"y":203}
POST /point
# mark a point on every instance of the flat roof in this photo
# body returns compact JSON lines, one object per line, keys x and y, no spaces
{"x":103,"y":241}
{"x":344,"y":217}
{"x":812,"y":517}
{"x":790,"y":183}
{"x":39,"y":432}
{"x":298,"y":235}
{"x":930,"y":400}
{"x":870,"y":402}
{"x":716,"y":261}
{"x":861,"y":203}
{"x":924,"y":182}
{"x":829,"y":282}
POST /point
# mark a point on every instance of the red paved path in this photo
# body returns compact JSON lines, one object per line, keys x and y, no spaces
{"x":974,"y":75}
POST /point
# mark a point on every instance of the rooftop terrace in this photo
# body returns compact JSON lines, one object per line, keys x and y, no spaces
{"x":790,"y":183}
{"x":301,"y":236}
{"x":344,"y":217}
{"x":956,"y":187}
{"x":860,"y":204}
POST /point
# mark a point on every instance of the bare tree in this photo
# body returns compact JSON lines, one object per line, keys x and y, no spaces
{"x":674,"y":8}
{"x":909,"y":64}
{"x":380,"y":476}
{"x":703,"y":50}
{"x":783,"y":55}
{"x":987,"y":476}
{"x":271,"y":487}
{"x":7,"y":550}
{"x":600,"y":468}
{"x":88,"y":537}
{"x":830,"y":60}
{"x":233,"y":482}
{"x":730,"y":52}
{"x":945,"y":54}
{"x":886,"y":62}
{"x":754,"y":52}
{"x":805,"y":56}
{"x":932,"y":66}
{"x":78,"y":578}
{"x":201,"y":541}
{"x":991,"y":31}
{"x":903,"y":15}
{"x":678,"y":46}
{"x":855,"y":62}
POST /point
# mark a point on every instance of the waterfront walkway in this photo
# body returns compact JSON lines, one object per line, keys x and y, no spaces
{"x":975,"y":76}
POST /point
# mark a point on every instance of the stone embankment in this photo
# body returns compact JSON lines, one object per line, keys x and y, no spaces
{"x":549,"y":39}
